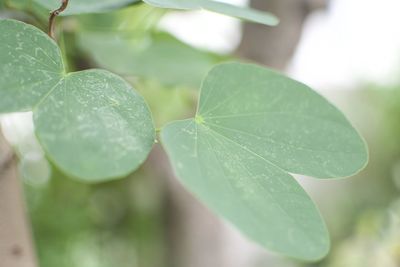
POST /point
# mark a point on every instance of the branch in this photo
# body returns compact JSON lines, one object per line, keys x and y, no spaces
{"x":16,"y":246}
{"x":6,"y":162}
{"x":53,"y":16}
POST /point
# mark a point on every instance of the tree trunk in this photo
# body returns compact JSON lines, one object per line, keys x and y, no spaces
{"x":275,"y":46}
{"x":16,"y":249}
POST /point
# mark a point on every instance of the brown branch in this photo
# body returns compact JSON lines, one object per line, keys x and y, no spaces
{"x":16,"y":246}
{"x":53,"y":16}
{"x":275,"y":46}
{"x":5,"y":162}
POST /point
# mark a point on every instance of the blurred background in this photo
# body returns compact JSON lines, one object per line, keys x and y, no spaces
{"x":348,"y":50}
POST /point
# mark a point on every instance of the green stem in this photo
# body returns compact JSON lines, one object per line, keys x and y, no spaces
{"x":63,"y":49}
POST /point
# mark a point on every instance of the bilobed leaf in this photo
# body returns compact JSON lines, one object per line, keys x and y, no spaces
{"x":92,"y":124}
{"x":252,"y":128}
{"x":219,"y":7}
{"x":85,"y":6}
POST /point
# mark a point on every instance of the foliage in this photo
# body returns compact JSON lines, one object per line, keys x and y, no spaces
{"x":86,"y":6}
{"x":98,"y":224}
{"x":90,"y":6}
{"x":243,"y":130}
{"x":374,"y":243}
{"x":219,"y":7}
{"x":252,"y":127}
{"x":91,"y":123}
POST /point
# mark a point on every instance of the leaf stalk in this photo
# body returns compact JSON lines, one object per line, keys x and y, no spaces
{"x":53,"y":16}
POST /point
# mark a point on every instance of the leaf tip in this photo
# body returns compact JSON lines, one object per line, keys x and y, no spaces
{"x":274,"y":20}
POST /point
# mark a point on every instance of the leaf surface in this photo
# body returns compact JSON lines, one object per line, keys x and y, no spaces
{"x":95,"y":126}
{"x":254,"y":126}
{"x":282,"y":120}
{"x":219,"y":7}
{"x":159,"y":57}
{"x":92,"y":124}
{"x":30,"y":65}
{"x":143,"y":51}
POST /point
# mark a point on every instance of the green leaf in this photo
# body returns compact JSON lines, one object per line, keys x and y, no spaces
{"x":175,"y":4}
{"x":254,"y":126}
{"x":158,"y":56}
{"x":92,"y":124}
{"x":143,"y":52}
{"x":30,"y":7}
{"x":30,"y":65}
{"x":241,"y":12}
{"x":134,"y":20}
{"x":259,"y":198}
{"x":85,"y":6}
{"x":95,"y":126}
{"x":219,"y":7}
{"x":301,"y":131}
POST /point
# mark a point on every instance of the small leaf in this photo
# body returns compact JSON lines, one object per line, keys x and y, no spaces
{"x":30,"y":64}
{"x":85,"y":6}
{"x":219,"y":7}
{"x":92,"y":124}
{"x":252,"y":127}
{"x":95,"y":126}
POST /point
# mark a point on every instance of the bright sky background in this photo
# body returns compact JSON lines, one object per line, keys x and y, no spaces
{"x":354,"y":41}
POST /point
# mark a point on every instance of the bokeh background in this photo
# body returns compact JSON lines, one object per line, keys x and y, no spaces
{"x":348,"y":50}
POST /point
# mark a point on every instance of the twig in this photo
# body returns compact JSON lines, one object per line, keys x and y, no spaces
{"x":53,"y":16}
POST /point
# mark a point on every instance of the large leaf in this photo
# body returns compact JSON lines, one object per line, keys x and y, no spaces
{"x":85,"y":6}
{"x":92,"y":124}
{"x":219,"y":7}
{"x":300,"y":131}
{"x":261,"y":199}
{"x":254,"y":126}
